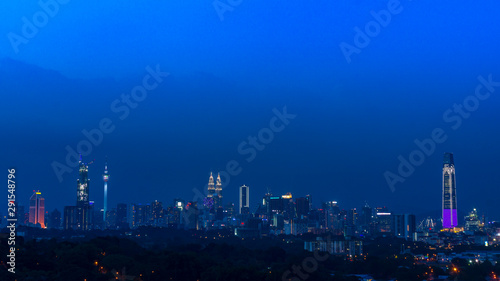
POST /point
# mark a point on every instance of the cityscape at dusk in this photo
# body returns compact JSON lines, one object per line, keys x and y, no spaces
{"x":235,"y":140}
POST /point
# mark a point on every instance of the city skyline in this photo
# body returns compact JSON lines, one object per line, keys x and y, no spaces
{"x":231,"y":139}
{"x":211,"y":86}
{"x":449,"y":214}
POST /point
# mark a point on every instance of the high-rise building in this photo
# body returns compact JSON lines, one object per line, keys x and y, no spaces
{"x":404,"y":226}
{"x":310,"y":200}
{"x":110,"y":221}
{"x":276,"y":204}
{"x":141,"y":215}
{"x":383,"y":220}
{"x":105,"y":178}
{"x":333,"y":219}
{"x":266,"y":205}
{"x":218,"y":192}
{"x":98,"y":219}
{"x":121,"y":216}
{"x":302,"y":206}
{"x":83,"y":213}
{"x":20,"y":215}
{"x":211,"y":186}
{"x":288,"y":206}
{"x":352,"y":217}
{"x":214,"y":196}
{"x":366,"y":215}
{"x":82,"y":192}
{"x":472,"y":221}
{"x":190,"y":216}
{"x":70,"y":221}
{"x":449,"y":192}
{"x":55,"y":219}
{"x":244,"y":197}
{"x":37,"y":209}
{"x":157,"y":213}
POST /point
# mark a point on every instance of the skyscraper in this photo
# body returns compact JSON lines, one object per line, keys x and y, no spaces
{"x":70,"y":221}
{"x":211,"y":186}
{"x":302,"y":206}
{"x":121,"y":216}
{"x":37,"y":209}
{"x":55,"y":219}
{"x":105,"y":178}
{"x":404,"y":226}
{"x":218,"y":192}
{"x":244,"y":198}
{"x":449,"y":192}
{"x":83,"y":210}
{"x":82,"y":191}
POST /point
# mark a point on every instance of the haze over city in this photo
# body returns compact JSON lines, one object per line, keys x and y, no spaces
{"x":250,"y":140}
{"x":225,"y":78}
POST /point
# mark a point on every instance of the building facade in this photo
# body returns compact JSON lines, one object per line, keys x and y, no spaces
{"x":37,"y":209}
{"x":244,"y":198}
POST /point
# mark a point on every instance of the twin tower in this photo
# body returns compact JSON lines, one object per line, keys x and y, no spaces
{"x":215,"y":191}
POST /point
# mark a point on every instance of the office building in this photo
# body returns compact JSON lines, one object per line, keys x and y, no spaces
{"x":83,"y":210}
{"x":244,"y":199}
{"x":404,"y":226}
{"x":37,"y":210}
{"x":302,"y":207}
{"x":121,"y":216}
{"x":218,"y":193}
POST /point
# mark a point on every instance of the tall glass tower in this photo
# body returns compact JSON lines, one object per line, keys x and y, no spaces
{"x":83,"y":181}
{"x":211,"y":186}
{"x":218,"y":192}
{"x":244,"y":197}
{"x":449,"y":192}
{"x":83,"y":209}
{"x":37,"y":209}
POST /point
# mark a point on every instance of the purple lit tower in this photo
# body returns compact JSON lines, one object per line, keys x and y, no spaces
{"x":449,"y":192}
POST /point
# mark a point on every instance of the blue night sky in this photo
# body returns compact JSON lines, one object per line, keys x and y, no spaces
{"x":228,"y":70}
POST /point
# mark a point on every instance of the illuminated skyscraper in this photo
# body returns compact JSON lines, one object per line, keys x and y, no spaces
{"x":82,"y":192}
{"x":211,"y":186}
{"x":83,"y":209}
{"x":244,"y":198}
{"x":449,"y":192}
{"x":37,"y":209}
{"x":218,"y":192}
{"x":214,"y":196}
{"x":105,"y":178}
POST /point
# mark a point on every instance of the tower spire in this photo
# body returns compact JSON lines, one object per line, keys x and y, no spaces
{"x":218,"y":191}
{"x":105,"y":178}
{"x":211,"y":186}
